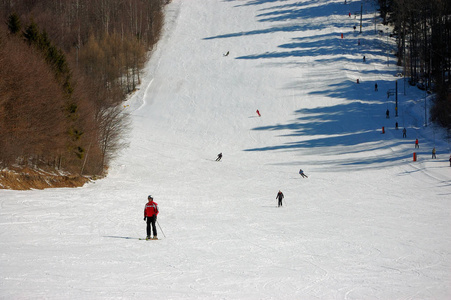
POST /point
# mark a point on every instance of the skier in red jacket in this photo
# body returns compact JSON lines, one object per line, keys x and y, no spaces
{"x":150,"y":213}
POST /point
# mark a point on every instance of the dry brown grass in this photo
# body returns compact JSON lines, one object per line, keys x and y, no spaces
{"x":26,"y":179}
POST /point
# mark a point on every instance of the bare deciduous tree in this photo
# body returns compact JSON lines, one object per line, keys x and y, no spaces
{"x":83,"y":57}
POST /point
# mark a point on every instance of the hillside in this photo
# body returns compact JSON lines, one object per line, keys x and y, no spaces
{"x":368,"y":222}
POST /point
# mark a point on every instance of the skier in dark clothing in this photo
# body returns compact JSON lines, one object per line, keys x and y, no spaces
{"x":387,"y":113}
{"x":404,"y":133}
{"x":302,"y":174}
{"x":279,"y":197}
{"x":150,"y":214}
{"x":219,"y":157}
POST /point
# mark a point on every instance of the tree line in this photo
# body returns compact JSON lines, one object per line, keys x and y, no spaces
{"x":423,"y":34}
{"x":65,"y":68}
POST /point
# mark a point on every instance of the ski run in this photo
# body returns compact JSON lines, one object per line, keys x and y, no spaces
{"x":369,"y":222}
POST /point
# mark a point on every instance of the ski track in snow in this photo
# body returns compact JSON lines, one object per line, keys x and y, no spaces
{"x":368,"y":223}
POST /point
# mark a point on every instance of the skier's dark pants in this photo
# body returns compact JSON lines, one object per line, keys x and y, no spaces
{"x":280,"y":201}
{"x":151,"y":220}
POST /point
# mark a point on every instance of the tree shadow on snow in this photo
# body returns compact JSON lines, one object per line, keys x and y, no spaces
{"x":301,"y":13}
{"x":325,"y":45}
{"x":345,"y":128}
{"x":340,"y":130}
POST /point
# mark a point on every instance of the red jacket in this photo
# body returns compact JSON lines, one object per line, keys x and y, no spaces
{"x":151,"y":209}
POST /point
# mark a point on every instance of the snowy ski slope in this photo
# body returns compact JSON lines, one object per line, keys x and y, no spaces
{"x":368,"y":223}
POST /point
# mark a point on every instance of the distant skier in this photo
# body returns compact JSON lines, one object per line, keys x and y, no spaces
{"x":396,"y":125}
{"x":258,"y":113}
{"x":219,"y":157}
{"x":387,"y":114}
{"x":302,"y":174}
{"x":450,"y":160}
{"x":279,"y":197}
{"x":416,"y":144}
{"x":404,"y":133}
{"x":150,"y":214}
{"x":375,"y":87}
{"x":433,"y":153}
{"x":364,"y":58}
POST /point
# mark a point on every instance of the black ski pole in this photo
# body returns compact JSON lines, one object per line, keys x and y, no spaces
{"x":161,"y":229}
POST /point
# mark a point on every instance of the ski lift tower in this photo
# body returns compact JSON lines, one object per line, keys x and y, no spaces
{"x":391,"y":92}
{"x":356,"y":13}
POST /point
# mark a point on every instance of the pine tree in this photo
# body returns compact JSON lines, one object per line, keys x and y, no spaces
{"x":31,"y":33}
{"x":14,"y":25}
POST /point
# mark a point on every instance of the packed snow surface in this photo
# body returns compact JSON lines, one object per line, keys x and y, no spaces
{"x":368,"y":222}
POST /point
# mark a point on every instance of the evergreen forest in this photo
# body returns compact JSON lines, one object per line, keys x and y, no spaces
{"x":422,"y":29}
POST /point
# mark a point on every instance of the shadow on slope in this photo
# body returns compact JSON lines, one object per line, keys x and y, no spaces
{"x":344,"y":129}
{"x":330,"y":46}
{"x":347,"y":128}
{"x":339,"y":125}
{"x":365,"y":90}
{"x":303,"y":14}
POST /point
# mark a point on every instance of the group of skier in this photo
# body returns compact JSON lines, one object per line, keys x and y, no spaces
{"x":151,"y":208}
{"x":417,"y":145}
{"x":280,"y":195}
{"x":387,"y":113}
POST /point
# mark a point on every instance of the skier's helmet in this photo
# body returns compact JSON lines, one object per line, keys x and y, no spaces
{"x":149,"y":197}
